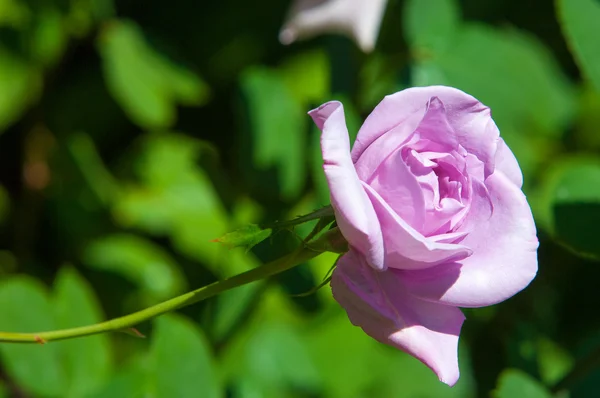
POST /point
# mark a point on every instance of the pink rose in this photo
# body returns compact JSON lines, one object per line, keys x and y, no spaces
{"x":430,"y":202}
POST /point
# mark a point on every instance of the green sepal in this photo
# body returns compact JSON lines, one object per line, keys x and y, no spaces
{"x":247,"y":236}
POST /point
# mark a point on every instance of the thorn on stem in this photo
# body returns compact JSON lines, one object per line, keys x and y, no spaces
{"x":137,"y":333}
{"x":134,"y":332}
{"x":40,"y":340}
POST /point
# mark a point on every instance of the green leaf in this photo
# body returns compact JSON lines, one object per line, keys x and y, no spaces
{"x":307,"y":75}
{"x":585,"y":132}
{"x":183,"y":364}
{"x":13,"y":13}
{"x":246,"y":237}
{"x":49,"y":37}
{"x":554,"y":361}
{"x":278,"y":123}
{"x":274,"y":357}
{"x":429,"y":25}
{"x":102,"y":9}
{"x":4,"y":390}
{"x":178,"y":364}
{"x":131,"y":381}
{"x":95,"y":173}
{"x":138,"y":260}
{"x":516,"y":383}
{"x":87,"y":362}
{"x":21,"y":84}
{"x":568,"y":203}
{"x":231,"y":308}
{"x":146,"y":84}
{"x":579,"y":21}
{"x":380,"y":76}
{"x":25,"y":307}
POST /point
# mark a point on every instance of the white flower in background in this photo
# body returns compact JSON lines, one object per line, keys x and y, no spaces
{"x":359,"y":19}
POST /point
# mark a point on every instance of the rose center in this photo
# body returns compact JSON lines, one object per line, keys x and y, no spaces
{"x":442,"y":178}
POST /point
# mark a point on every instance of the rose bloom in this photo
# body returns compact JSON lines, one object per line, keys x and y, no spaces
{"x":430,"y":202}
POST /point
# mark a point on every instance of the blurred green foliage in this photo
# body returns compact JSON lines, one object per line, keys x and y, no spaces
{"x":135,"y":132}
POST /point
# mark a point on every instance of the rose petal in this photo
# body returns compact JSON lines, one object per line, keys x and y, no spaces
{"x":376,"y":302}
{"x":504,"y":259}
{"x":507,"y":163}
{"x":355,"y":215}
{"x":406,"y":248}
{"x":380,"y":149}
{"x":399,"y":188}
{"x":435,"y":126}
{"x":470,"y":119}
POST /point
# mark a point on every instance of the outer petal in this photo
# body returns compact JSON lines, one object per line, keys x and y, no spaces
{"x":504,"y":259}
{"x":470,"y":119}
{"x":354,"y":212}
{"x":376,"y":302}
{"x":507,"y":163}
{"x":405,"y":247}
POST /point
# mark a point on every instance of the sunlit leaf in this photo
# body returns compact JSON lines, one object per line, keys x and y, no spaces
{"x":132,"y":380}
{"x":95,"y":173}
{"x":231,"y":309}
{"x":554,"y":361}
{"x":145,"y":83}
{"x":87,"y":362}
{"x":20,"y":82}
{"x":429,"y":25}
{"x":25,"y":307}
{"x":307,"y":75}
{"x":586,"y":132}
{"x":515,"y":383}
{"x":183,"y":363}
{"x":13,"y":13}
{"x":568,"y":204}
{"x":274,"y":357}
{"x":579,"y":21}
{"x":380,"y":76}
{"x":49,"y":38}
